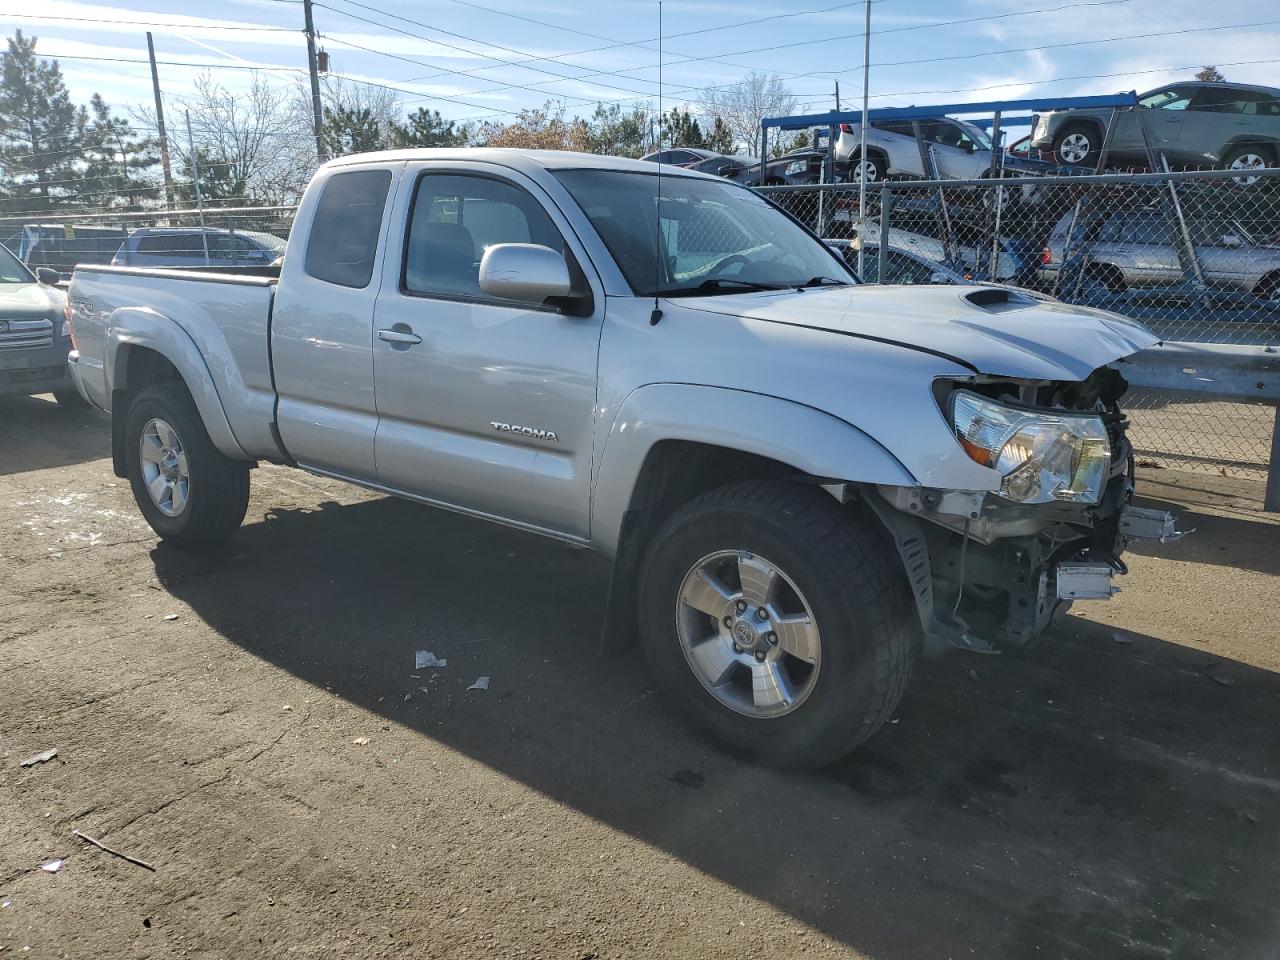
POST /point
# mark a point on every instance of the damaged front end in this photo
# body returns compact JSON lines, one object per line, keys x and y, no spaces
{"x":994,"y":568}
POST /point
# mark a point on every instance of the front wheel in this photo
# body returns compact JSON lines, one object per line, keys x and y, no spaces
{"x":1250,"y":161}
{"x":188,"y":491}
{"x":1077,"y":146}
{"x":781,"y":623}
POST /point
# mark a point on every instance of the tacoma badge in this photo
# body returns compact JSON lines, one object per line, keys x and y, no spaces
{"x":525,"y":431}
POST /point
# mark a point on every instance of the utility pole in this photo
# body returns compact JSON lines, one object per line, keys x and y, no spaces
{"x":837,"y":96}
{"x":317,"y":118}
{"x":862,"y":148}
{"x":195,"y":182}
{"x":164,"y":141}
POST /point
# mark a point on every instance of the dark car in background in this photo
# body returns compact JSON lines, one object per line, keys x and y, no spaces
{"x":190,"y":247}
{"x":901,"y":266}
{"x":707,"y":161}
{"x":1232,"y":126}
{"x":60,"y":246}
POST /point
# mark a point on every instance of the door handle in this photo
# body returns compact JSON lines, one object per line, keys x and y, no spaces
{"x":398,"y":336}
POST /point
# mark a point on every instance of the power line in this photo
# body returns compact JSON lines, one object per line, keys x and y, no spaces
{"x":152,"y":23}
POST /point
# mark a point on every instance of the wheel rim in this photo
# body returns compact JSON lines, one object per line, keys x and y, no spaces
{"x":1074,"y":147}
{"x":164,"y":467}
{"x":866,"y":170}
{"x":748,"y":634}
{"x":1248,"y":161}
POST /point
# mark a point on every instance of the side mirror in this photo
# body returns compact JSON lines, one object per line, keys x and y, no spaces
{"x":728,"y":170}
{"x":527,"y":272}
{"x":939,"y":278}
{"x":48,"y":275}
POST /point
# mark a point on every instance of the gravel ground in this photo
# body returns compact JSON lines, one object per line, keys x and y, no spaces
{"x":251,"y":723}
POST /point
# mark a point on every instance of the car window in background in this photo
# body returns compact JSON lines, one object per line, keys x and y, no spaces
{"x":1217,"y":100}
{"x":178,"y":246}
{"x":710,"y":230}
{"x":904,"y":269}
{"x":1176,"y":99}
{"x":11,"y":271}
{"x":1256,"y":103}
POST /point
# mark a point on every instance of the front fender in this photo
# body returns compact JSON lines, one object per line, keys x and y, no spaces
{"x":811,"y":441}
{"x":131,"y":328}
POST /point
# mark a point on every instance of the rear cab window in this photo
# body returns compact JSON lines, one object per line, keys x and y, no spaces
{"x":343,"y":241}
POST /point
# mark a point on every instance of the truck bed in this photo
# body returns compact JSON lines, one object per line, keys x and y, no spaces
{"x":223,"y":315}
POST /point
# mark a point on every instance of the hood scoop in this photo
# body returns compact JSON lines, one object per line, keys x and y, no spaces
{"x":999,"y":299}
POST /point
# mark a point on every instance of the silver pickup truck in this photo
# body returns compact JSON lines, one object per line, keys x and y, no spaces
{"x":803,"y":482}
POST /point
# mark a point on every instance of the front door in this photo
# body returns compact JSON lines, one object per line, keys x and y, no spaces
{"x":483,"y":404}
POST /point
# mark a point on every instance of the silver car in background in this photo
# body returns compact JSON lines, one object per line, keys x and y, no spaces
{"x":1233,"y":126}
{"x":960,"y":150}
{"x":1139,"y":249}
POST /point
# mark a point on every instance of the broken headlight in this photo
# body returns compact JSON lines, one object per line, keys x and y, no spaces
{"x":1042,"y":456}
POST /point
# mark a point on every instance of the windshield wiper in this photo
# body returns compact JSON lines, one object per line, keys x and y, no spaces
{"x":821,"y":282}
{"x":719,"y":285}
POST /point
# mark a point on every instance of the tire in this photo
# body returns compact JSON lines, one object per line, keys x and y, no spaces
{"x":874,"y":169}
{"x":216,"y":492}
{"x":70,"y":400}
{"x":1111,"y":278}
{"x":839,"y":568}
{"x":1250,"y":158}
{"x":1077,"y":145}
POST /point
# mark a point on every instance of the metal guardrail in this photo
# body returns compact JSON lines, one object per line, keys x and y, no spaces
{"x":1229,"y":372}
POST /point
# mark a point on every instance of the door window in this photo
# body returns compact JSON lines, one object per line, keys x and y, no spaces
{"x":903,"y":269}
{"x":174,"y":246}
{"x":344,"y":232}
{"x":1217,"y":100}
{"x":1176,"y":98}
{"x":455,"y":219}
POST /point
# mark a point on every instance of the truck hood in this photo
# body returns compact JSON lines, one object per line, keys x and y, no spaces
{"x":993,"y":330}
{"x":19,"y":300}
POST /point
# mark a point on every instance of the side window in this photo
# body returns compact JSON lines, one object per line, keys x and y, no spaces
{"x":174,"y":246}
{"x":1217,"y":100}
{"x":870,"y":262}
{"x":455,"y":219}
{"x":344,"y":233}
{"x":1176,"y":98}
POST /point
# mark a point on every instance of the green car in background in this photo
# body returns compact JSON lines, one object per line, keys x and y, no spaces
{"x":34,"y":341}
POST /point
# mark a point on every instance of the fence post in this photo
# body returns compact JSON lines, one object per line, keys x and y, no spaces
{"x":1271,"y":501}
{"x":886,"y":205}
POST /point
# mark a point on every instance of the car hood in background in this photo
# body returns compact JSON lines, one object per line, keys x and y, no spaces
{"x":29,"y":300}
{"x":1010,"y":335}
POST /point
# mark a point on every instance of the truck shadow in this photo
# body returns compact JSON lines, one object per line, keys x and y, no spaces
{"x":37,"y":434}
{"x":1088,"y":798}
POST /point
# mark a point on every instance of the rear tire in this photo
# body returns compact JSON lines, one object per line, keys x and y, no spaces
{"x":1077,"y":145}
{"x":193,"y":495}
{"x":838,"y":597}
{"x":1249,"y":159}
{"x":874,"y":169}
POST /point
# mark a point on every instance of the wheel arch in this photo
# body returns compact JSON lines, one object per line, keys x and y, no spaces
{"x":673,"y":442}
{"x":144,"y":347}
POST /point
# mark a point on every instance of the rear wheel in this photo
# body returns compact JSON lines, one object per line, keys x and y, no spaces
{"x":872,"y":169}
{"x":779,"y":623}
{"x":189,"y":492}
{"x":1077,"y":145}
{"x":1249,"y":160}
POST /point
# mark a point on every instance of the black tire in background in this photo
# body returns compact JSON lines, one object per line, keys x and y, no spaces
{"x":219,"y":486}
{"x":851,"y":576}
{"x":70,"y":400}
{"x":1081,"y":141}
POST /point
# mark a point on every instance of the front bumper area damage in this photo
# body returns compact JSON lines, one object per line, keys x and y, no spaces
{"x":989,"y":572}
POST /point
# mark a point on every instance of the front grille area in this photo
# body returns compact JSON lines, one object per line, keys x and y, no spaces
{"x":26,"y":334}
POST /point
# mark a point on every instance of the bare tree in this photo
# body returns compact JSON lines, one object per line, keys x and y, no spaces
{"x":544,"y":128}
{"x":742,"y":105}
{"x":1210,"y":75}
{"x":258,"y":140}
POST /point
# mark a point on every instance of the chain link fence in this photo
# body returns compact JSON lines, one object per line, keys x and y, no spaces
{"x":1195,"y":256}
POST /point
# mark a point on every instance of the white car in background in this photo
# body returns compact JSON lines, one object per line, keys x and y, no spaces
{"x":960,"y":150}
{"x":931,"y":248}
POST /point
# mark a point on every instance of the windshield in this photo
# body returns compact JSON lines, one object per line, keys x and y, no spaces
{"x":976,"y":134}
{"x":715,"y":237}
{"x":12,"y":270}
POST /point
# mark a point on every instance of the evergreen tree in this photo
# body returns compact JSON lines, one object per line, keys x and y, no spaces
{"x":41,"y":131}
{"x":618,"y":134}
{"x":720,"y":139}
{"x":1210,"y":75}
{"x":347,"y":130}
{"x":117,"y":161}
{"x":682,"y":130}
{"x":426,"y":128}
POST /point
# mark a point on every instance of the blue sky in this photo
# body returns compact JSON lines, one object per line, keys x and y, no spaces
{"x":488,"y":59}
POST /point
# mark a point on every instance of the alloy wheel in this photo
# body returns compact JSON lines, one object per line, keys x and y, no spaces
{"x":1074,"y":148}
{"x":164,"y":467}
{"x":748,"y":634}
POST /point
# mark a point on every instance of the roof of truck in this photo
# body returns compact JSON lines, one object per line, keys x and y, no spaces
{"x":518,"y":159}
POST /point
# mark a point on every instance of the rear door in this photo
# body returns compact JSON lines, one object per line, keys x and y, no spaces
{"x":484,"y":405}
{"x":322,"y":324}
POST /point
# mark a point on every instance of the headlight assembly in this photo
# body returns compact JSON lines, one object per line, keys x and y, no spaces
{"x":795,"y":167}
{"x":1043,"y":456}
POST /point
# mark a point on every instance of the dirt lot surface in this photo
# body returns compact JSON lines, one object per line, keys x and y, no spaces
{"x":250,"y":722}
